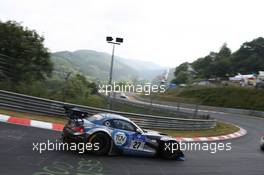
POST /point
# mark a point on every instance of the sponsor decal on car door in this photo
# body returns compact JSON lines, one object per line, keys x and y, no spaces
{"x":137,"y":142}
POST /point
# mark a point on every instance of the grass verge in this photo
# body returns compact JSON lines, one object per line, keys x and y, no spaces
{"x":220,"y":129}
{"x":230,"y":97}
{"x":142,"y":110}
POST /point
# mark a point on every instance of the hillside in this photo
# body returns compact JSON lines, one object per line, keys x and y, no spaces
{"x":146,"y":69}
{"x":231,"y":97}
{"x":96,"y":65}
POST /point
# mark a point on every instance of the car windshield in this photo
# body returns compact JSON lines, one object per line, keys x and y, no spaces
{"x":137,"y":127}
{"x":124,"y":125}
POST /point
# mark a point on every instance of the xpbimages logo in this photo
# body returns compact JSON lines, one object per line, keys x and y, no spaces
{"x":212,"y":147}
{"x":60,"y":146}
{"x":146,"y":89}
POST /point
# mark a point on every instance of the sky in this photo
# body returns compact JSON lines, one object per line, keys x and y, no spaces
{"x":166,"y":32}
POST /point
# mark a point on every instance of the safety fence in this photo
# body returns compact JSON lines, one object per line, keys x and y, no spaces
{"x":30,"y":104}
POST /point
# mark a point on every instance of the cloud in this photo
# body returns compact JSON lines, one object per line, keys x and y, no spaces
{"x":167,"y":32}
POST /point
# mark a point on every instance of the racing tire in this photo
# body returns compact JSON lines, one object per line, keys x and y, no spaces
{"x":103,"y":143}
{"x":64,"y":139}
{"x":168,"y":153}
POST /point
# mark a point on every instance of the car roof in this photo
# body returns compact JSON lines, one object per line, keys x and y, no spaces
{"x":113,"y":116}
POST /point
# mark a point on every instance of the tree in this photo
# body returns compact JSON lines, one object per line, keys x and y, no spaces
{"x":181,"y":74}
{"x":202,"y":66}
{"x":224,"y":52}
{"x":180,"y":68}
{"x":221,"y":63}
{"x":182,"y":77}
{"x":78,"y":89}
{"x":23,"y":55}
{"x":216,"y":64}
{"x":249,"y":58}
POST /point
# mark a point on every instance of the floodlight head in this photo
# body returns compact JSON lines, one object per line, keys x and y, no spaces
{"x":119,"y":40}
{"x":109,"y":39}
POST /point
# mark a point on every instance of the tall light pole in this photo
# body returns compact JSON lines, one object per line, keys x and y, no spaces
{"x":117,"y":41}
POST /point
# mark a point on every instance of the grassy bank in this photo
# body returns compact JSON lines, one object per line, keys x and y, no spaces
{"x":231,"y":97}
{"x":142,"y":110}
{"x":220,"y":129}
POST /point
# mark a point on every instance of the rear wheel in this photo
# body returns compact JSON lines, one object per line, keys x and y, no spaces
{"x":101,"y":143}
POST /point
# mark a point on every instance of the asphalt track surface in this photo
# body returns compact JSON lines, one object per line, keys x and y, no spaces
{"x":17,"y":156}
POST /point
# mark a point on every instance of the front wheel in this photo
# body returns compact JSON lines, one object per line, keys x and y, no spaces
{"x":64,"y":139}
{"x":101,"y":143}
{"x":171,"y":150}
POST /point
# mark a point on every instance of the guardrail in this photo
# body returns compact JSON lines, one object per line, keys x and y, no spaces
{"x":30,"y":104}
{"x":168,"y":109}
{"x":143,"y":103}
{"x":203,"y":107}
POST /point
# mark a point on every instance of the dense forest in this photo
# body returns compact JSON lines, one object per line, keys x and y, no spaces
{"x":248,"y":59}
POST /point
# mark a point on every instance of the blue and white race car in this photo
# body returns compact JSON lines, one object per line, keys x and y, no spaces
{"x":115,"y":134}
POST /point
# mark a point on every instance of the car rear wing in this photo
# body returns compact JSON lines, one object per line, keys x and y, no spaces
{"x":74,"y":113}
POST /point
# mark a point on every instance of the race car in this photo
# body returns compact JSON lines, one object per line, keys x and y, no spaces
{"x":115,"y":134}
{"x":262,"y":143}
{"x":123,"y":95}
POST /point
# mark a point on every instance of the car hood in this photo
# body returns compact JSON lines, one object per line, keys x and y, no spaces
{"x":153,"y":133}
{"x":158,"y":135}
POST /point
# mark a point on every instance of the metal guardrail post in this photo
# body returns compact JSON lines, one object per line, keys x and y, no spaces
{"x":196,"y":111}
{"x":178,"y":106}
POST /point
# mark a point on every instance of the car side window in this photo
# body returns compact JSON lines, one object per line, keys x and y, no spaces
{"x":108,"y":123}
{"x":124,"y":125}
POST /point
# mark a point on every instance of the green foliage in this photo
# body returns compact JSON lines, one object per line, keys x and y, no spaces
{"x":182,"y":74}
{"x":249,"y":58}
{"x":141,"y":110}
{"x":220,"y":129}
{"x":182,"y":77}
{"x":75,"y":90}
{"x":23,"y":55}
{"x":182,"y":68}
{"x":94,"y":65}
{"x":78,"y":90}
{"x":224,"y":52}
{"x":77,"y":87}
{"x":214,"y":65}
{"x":232,"y":97}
